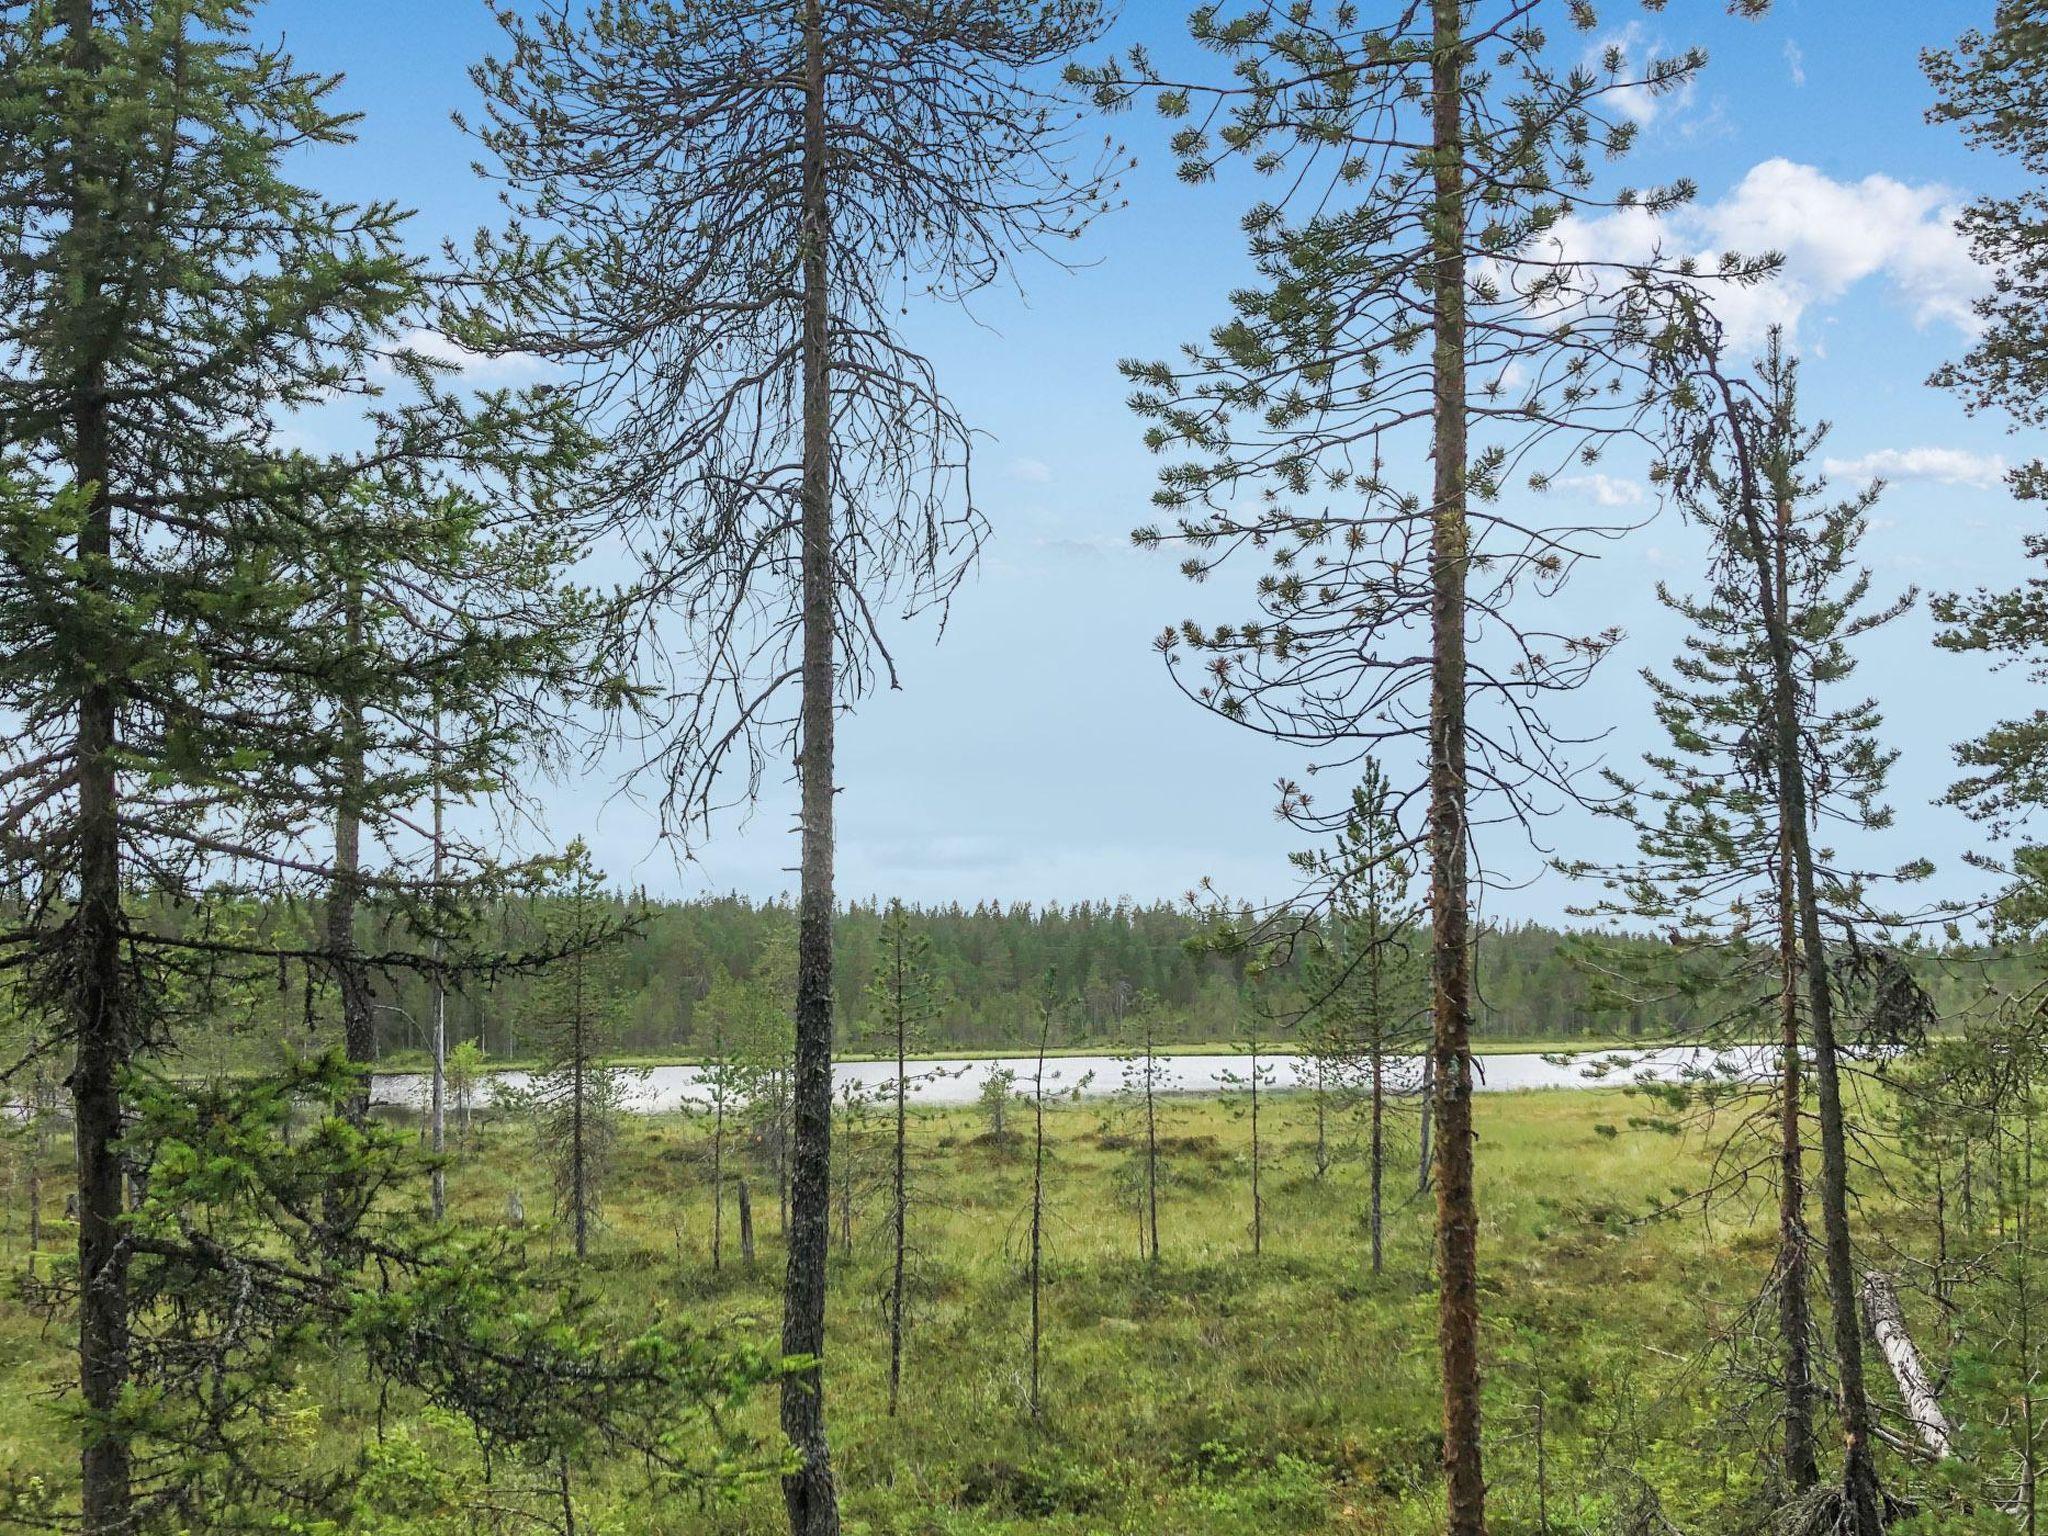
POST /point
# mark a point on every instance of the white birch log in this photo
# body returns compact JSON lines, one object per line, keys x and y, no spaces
{"x":1888,"y":1327}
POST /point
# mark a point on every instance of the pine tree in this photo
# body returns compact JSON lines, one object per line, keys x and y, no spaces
{"x":1361,"y":982}
{"x":1416,"y":295}
{"x":742,"y":190}
{"x":1762,"y":756}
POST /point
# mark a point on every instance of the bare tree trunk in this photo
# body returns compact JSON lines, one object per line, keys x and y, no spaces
{"x":1151,"y":1142}
{"x":1795,"y":1323}
{"x":899,"y":1204}
{"x":1888,"y":1326}
{"x":1038,"y":1208}
{"x":718,"y":1184}
{"x":1258,"y":1149}
{"x":579,"y":1130}
{"x":38,"y":1150}
{"x":1423,"y":1162}
{"x":1322,"y":1122}
{"x":746,"y":1223}
{"x":351,"y":982}
{"x":1457,"y":1216}
{"x":1377,"y":1153}
{"x":808,"y":1491}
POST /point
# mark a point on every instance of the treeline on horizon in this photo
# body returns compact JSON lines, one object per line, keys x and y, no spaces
{"x":1096,"y":963}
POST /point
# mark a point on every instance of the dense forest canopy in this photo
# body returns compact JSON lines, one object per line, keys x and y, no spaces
{"x":996,"y":963}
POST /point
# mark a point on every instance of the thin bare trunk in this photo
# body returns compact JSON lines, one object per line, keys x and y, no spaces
{"x":579,"y":1127}
{"x":1151,"y":1140}
{"x":746,"y":1203}
{"x":1795,"y":1323}
{"x":899,"y":1204}
{"x":1038,"y":1208}
{"x":808,"y":1490}
{"x":351,"y":981}
{"x":1457,"y":1216}
{"x":1377,"y":1153}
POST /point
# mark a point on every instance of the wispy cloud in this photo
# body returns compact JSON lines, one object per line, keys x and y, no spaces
{"x":1031,"y":471}
{"x":1944,"y":466}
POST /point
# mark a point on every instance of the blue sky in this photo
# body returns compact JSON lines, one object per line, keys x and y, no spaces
{"x":1039,"y":753}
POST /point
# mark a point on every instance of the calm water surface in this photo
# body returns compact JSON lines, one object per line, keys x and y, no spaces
{"x":660,"y":1089}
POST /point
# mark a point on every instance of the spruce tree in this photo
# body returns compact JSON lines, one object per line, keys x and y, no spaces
{"x":169,"y":301}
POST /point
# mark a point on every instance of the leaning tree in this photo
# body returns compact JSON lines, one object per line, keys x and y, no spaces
{"x":717,"y":211}
{"x":1773,"y":644}
{"x":1430,"y":284}
{"x":1764,"y":750}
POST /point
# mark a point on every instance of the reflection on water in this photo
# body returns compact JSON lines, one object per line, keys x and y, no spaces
{"x":661,"y":1089}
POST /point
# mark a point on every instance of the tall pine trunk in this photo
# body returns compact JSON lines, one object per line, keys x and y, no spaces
{"x":808,"y":1490}
{"x":1457,"y":1217}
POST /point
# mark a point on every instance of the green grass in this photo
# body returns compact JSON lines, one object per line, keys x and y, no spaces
{"x":1213,"y":1393}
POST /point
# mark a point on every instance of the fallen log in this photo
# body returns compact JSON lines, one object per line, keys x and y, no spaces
{"x":1887,"y":1323}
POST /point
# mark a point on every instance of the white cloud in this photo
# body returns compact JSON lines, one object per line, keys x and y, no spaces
{"x":1832,"y":234}
{"x":1030,"y":471}
{"x":1603,"y":490}
{"x":1635,"y":55}
{"x":474,"y":367}
{"x":1944,"y":466}
{"x":1795,"y":61}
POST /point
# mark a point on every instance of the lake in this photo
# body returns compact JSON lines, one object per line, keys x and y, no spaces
{"x":656,"y":1090}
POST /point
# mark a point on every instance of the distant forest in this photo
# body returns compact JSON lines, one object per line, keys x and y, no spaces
{"x":998,"y":963}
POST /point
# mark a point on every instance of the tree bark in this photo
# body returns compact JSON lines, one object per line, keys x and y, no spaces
{"x":1450,"y":949}
{"x":808,"y":1491}
{"x":351,"y":982}
{"x":1888,"y":1326}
